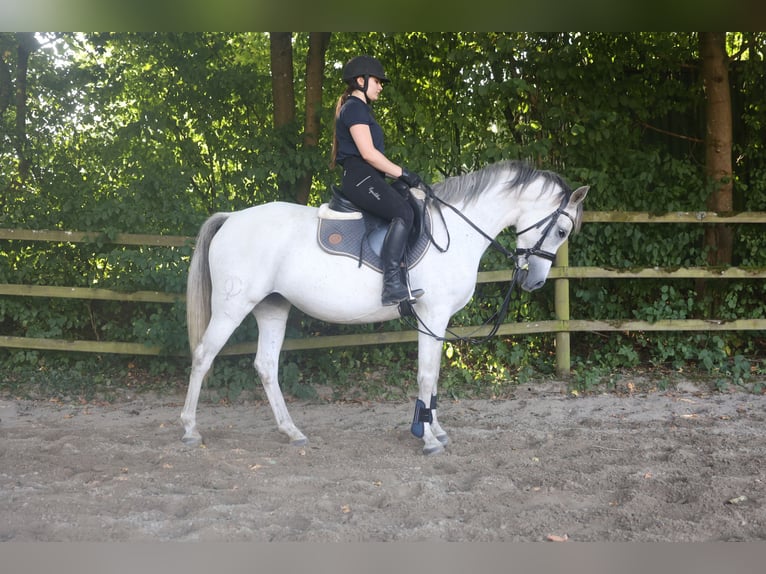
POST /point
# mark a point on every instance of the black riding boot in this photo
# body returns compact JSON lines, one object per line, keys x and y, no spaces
{"x":394,"y":290}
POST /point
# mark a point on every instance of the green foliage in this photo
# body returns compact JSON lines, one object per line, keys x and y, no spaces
{"x":82,"y":377}
{"x":152,"y":132}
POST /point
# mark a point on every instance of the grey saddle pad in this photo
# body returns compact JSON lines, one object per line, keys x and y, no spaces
{"x":347,"y":234}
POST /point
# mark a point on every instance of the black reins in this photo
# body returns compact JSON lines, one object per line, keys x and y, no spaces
{"x":499,"y":316}
{"x":431,"y":196}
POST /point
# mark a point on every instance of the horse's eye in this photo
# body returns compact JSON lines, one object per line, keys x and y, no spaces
{"x":562,"y":233}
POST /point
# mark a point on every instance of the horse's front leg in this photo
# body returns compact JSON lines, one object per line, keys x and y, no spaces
{"x":439,"y":432}
{"x":425,"y":424}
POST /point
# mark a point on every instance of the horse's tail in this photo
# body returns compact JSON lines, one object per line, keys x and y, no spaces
{"x":198,"y":285}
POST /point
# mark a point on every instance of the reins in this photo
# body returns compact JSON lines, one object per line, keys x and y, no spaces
{"x":499,"y":316}
{"x":431,"y":196}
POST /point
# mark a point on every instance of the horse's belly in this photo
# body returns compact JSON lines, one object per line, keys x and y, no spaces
{"x":349,"y":316}
{"x":350,"y":306}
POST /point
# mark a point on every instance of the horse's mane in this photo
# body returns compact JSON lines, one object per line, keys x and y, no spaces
{"x":511,"y":174}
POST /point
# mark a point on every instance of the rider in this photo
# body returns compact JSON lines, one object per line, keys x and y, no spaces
{"x":358,"y":147}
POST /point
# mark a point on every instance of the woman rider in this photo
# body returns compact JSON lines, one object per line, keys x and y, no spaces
{"x":358,"y":147}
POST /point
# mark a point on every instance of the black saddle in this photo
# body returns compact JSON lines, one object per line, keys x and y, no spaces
{"x":344,"y":229}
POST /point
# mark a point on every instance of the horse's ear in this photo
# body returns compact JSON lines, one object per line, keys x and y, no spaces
{"x":578,"y":195}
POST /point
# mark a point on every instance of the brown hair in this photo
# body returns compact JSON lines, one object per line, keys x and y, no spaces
{"x":341,"y":100}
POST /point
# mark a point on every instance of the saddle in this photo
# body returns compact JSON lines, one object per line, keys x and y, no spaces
{"x":344,"y":229}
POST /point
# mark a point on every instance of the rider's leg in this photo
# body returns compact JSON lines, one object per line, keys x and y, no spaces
{"x":367,"y":188}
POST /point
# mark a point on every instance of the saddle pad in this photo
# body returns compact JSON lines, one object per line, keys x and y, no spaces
{"x":349,"y":237}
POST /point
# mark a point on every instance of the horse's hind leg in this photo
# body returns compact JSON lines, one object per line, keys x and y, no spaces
{"x":219,"y":330}
{"x":271,"y":314}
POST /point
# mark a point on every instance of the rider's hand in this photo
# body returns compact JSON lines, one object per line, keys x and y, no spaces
{"x":410,"y":178}
{"x":401,"y":187}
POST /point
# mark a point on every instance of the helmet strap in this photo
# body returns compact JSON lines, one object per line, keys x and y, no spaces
{"x":364,"y":88}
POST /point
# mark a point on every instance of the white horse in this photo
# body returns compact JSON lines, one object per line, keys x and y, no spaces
{"x":264,"y":259}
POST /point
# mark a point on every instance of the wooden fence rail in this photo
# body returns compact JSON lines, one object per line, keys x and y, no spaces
{"x":561,"y":273}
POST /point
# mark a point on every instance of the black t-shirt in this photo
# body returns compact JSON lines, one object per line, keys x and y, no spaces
{"x":353,"y":112}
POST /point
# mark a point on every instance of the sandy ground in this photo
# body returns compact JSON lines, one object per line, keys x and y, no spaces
{"x":544,"y":465}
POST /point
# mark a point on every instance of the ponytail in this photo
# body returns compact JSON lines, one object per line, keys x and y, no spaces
{"x":341,"y":100}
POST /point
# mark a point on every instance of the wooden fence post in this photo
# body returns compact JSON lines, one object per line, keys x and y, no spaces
{"x":561,"y":301}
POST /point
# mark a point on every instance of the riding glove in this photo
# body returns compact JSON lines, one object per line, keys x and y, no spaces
{"x":401,"y":187}
{"x":410,"y":178}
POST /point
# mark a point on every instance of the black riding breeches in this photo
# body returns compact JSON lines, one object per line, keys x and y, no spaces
{"x":368,"y":189}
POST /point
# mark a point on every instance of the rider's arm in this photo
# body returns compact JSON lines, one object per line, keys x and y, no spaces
{"x":363,"y":140}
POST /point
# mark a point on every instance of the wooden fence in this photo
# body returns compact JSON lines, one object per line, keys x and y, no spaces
{"x":562,"y":325}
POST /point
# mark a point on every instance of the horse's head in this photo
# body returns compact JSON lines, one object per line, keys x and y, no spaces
{"x":536,"y":244}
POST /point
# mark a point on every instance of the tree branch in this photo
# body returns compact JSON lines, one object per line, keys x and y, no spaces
{"x":671,"y":134}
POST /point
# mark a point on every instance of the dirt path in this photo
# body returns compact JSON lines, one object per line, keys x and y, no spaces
{"x":674,"y":466}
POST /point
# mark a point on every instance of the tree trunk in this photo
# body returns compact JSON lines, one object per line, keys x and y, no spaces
{"x":315,"y":61}
{"x":718,"y":142}
{"x":282,"y":88}
{"x":283,"y":95}
{"x":6,"y":84}
{"x":26,"y":44}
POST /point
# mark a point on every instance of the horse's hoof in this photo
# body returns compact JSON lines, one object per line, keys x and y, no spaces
{"x":299,"y":442}
{"x":443,"y":438}
{"x":431,"y":450}
{"x":192,"y":441}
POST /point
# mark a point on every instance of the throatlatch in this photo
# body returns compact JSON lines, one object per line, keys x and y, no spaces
{"x":422,"y":415}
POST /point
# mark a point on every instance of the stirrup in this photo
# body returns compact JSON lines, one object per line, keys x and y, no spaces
{"x":415,"y":294}
{"x":411,"y":296}
{"x":391,"y":301}
{"x":406,"y":307}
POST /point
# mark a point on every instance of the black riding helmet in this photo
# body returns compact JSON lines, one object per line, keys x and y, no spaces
{"x":364,"y":66}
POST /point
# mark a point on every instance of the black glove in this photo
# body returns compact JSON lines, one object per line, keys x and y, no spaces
{"x":401,"y":187}
{"x":411,"y":179}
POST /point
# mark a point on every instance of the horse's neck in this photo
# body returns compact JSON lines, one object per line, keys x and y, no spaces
{"x":492,"y":212}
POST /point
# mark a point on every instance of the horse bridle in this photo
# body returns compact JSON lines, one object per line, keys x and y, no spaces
{"x":551,"y":219}
{"x":535,"y":251}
